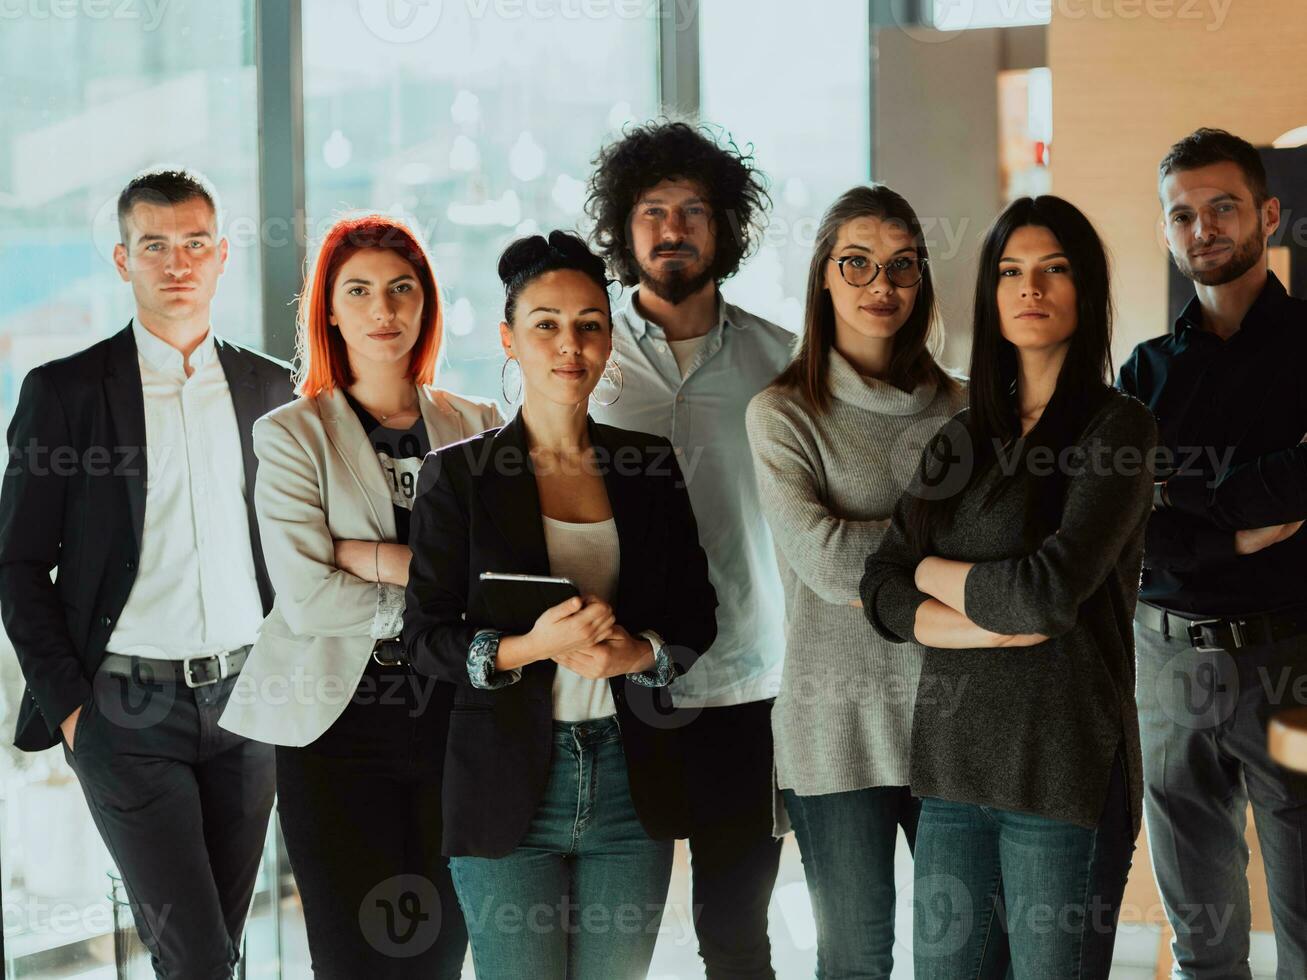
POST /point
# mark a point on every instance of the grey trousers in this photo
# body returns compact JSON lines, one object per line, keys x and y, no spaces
{"x":1203,"y":718}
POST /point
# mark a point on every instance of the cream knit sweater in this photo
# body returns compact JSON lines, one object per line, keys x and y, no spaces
{"x":828,"y":484}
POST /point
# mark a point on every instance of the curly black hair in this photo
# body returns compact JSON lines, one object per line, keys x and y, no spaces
{"x":671,"y":149}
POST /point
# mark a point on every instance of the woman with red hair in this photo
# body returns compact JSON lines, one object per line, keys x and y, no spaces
{"x":360,"y":737}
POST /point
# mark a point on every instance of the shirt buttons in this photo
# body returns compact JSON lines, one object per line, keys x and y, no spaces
{"x":662,"y":348}
{"x":680,"y":398}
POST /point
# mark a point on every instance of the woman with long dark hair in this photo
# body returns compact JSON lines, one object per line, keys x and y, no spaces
{"x":564,"y":780}
{"x":359,"y":736}
{"x":831,"y":438}
{"x":1014,"y":559}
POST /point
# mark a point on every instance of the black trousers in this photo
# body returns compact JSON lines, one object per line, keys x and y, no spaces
{"x":734,"y":858}
{"x":183,"y":808}
{"x":360,"y":812}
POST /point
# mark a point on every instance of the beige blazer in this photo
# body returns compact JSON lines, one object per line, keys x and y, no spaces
{"x":319,"y":481}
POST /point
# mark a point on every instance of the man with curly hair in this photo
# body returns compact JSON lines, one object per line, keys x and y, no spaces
{"x":675,"y":214}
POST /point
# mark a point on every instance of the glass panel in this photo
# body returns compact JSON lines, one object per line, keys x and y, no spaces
{"x":481,"y":132}
{"x":94,"y":92}
{"x":801,"y":97}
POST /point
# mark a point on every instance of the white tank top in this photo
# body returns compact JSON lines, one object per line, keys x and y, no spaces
{"x":588,"y":554}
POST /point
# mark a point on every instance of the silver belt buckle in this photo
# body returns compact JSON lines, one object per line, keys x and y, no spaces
{"x":223,"y":669}
{"x":384,"y":661}
{"x":1195,"y":630}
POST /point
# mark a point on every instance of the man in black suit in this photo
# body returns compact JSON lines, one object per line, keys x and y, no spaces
{"x":131,"y":474}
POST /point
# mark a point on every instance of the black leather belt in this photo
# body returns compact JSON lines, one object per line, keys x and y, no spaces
{"x":1223,"y":634}
{"x":191,"y":671}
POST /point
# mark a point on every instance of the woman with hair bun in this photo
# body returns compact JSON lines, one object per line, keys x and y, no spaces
{"x":359,"y":736}
{"x":564,"y":784}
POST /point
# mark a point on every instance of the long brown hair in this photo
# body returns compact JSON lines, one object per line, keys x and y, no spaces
{"x":912,"y":362}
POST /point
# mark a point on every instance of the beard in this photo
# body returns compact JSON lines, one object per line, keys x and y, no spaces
{"x":1243,"y":257}
{"x":675,"y":286}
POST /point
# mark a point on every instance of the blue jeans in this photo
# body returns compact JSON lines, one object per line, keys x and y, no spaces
{"x":1048,"y":889}
{"x":581,"y":897}
{"x":1203,"y":717}
{"x":847,"y":842}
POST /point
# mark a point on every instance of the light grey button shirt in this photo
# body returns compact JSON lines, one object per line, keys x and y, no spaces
{"x":702,"y":414}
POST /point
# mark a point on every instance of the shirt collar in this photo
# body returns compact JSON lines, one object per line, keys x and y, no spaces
{"x":640,"y":326}
{"x":162,"y":356}
{"x":1264,"y":311}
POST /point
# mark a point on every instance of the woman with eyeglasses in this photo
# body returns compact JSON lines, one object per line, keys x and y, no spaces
{"x":359,"y":736}
{"x":564,"y":782}
{"x":831,"y":439}
{"x":1014,"y":560}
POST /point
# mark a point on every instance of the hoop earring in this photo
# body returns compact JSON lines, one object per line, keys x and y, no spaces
{"x":503,"y":387}
{"x":612,"y":368}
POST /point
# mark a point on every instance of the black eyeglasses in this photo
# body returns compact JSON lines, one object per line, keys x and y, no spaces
{"x":859,"y":270}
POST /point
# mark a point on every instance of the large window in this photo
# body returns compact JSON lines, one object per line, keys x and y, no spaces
{"x":797,"y":89}
{"x":93,"y":93}
{"x":477,"y":120}
{"x":480,"y":124}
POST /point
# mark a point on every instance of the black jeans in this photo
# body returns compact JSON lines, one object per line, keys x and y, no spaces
{"x":183,"y":808}
{"x":360,"y":811}
{"x":734,"y":857}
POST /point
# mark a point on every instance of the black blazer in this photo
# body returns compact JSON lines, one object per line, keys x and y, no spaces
{"x":73,"y":499}
{"x":478,"y":510}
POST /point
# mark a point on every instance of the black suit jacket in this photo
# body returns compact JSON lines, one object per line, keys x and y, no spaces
{"x":73,"y":499}
{"x":478,"y":510}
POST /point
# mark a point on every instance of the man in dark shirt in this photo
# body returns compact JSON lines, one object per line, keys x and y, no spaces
{"x":1221,"y":628}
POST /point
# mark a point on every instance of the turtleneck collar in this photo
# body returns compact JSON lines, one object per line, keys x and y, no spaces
{"x":874,"y":395}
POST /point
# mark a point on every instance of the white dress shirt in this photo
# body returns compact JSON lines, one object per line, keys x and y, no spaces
{"x":700,"y":408}
{"x":195,"y":591}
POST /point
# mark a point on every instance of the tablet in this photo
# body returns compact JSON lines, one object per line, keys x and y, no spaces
{"x":516,"y":601}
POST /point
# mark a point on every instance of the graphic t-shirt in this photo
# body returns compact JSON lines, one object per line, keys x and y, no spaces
{"x":400,"y":453}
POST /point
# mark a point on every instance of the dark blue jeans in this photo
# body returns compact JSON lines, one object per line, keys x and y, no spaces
{"x":1048,"y":889}
{"x":581,"y":897}
{"x":847,"y":841}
